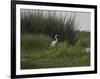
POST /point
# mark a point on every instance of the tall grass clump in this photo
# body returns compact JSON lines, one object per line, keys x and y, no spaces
{"x":35,"y":42}
{"x":49,"y":23}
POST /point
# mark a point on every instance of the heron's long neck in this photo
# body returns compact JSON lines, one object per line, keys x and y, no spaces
{"x":56,"y":38}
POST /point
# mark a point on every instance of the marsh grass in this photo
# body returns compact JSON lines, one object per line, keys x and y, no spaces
{"x":49,"y":23}
{"x":38,"y":55}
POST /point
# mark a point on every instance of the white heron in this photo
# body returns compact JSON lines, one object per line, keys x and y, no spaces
{"x":54,"y":42}
{"x":86,"y":50}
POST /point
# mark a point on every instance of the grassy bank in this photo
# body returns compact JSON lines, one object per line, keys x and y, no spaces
{"x":35,"y":53}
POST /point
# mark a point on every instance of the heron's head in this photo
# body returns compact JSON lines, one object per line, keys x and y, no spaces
{"x":56,"y":36}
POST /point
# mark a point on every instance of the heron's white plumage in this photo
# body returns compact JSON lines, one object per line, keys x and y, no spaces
{"x":54,"y":42}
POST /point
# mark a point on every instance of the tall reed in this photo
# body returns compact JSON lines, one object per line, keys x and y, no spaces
{"x":49,"y":23}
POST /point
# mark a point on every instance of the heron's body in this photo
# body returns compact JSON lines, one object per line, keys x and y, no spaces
{"x":87,"y":49}
{"x":54,"y":42}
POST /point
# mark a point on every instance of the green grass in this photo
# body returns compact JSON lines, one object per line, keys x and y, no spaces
{"x":35,"y":53}
{"x":84,"y":38}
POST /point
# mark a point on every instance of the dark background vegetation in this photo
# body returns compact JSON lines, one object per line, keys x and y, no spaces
{"x":50,"y":24}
